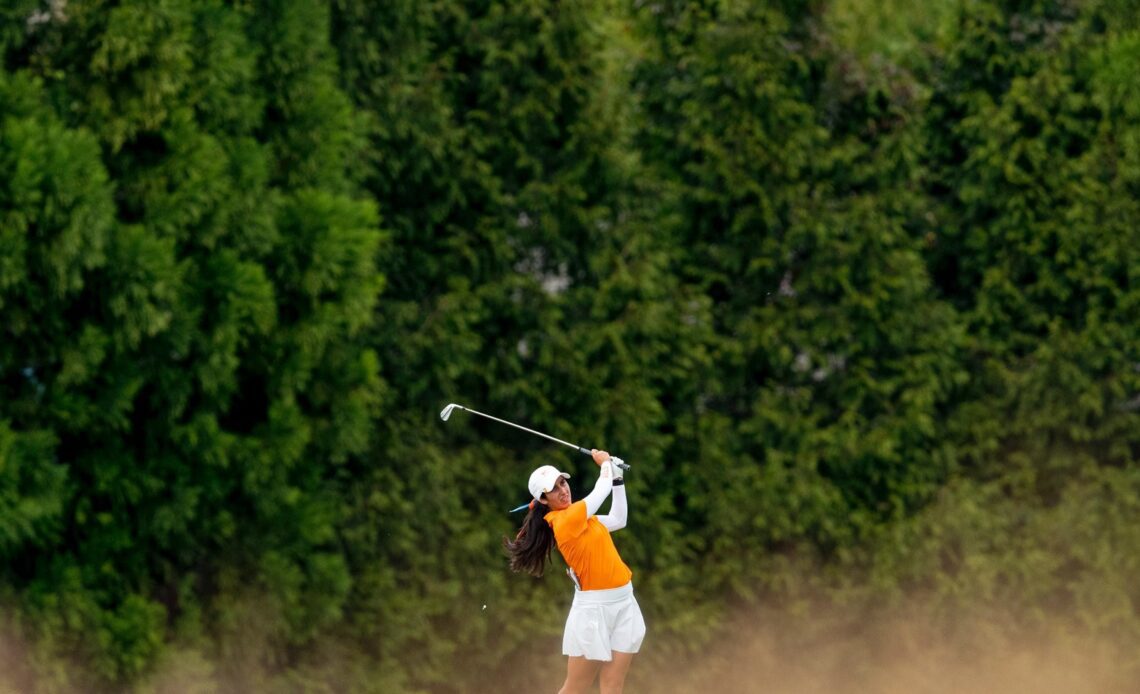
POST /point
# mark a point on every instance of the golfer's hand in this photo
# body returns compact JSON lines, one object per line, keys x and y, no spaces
{"x":616,"y":463}
{"x":599,"y":456}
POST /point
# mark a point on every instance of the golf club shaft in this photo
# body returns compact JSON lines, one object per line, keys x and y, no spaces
{"x":536,"y":433}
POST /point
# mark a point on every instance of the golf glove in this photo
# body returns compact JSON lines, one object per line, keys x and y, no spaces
{"x":616,"y":464}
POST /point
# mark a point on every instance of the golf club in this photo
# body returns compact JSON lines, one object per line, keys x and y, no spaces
{"x":448,"y":410}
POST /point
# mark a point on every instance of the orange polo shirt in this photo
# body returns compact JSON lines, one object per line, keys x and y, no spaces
{"x":587,"y":547}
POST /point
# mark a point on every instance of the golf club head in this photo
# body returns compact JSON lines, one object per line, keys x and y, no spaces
{"x":447,"y":411}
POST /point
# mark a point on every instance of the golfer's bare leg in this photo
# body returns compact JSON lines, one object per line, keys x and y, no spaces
{"x":580,"y":674}
{"x":614,"y":672}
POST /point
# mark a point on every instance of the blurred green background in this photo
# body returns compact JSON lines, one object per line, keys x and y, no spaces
{"x":853,"y":285}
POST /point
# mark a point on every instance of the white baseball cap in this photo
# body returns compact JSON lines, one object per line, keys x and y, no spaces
{"x":543,"y":480}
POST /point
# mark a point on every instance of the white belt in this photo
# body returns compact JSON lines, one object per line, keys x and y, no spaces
{"x":603,"y":597}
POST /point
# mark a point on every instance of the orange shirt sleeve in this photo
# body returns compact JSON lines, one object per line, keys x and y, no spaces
{"x":570,"y":521}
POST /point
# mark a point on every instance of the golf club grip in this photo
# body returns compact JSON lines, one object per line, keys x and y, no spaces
{"x":623,"y":466}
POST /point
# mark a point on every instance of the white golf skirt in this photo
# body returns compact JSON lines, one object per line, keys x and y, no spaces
{"x":603,"y":621}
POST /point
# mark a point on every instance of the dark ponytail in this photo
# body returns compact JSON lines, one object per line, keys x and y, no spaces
{"x":530,"y":550}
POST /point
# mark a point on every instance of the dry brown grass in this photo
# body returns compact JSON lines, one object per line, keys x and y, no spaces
{"x":761,"y":651}
{"x":766,"y":652}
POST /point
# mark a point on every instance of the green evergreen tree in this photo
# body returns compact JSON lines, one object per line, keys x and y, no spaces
{"x":526,"y":279}
{"x":1034,"y":241}
{"x":201,"y":362}
{"x":56,"y":213}
{"x":818,"y":422}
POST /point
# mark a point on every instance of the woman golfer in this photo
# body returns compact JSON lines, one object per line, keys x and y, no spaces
{"x":604,"y":628}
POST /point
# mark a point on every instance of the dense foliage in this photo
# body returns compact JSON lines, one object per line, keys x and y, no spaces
{"x":859,"y":300}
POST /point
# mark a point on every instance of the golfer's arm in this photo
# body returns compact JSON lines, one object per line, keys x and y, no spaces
{"x":601,"y":490}
{"x":616,"y":518}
